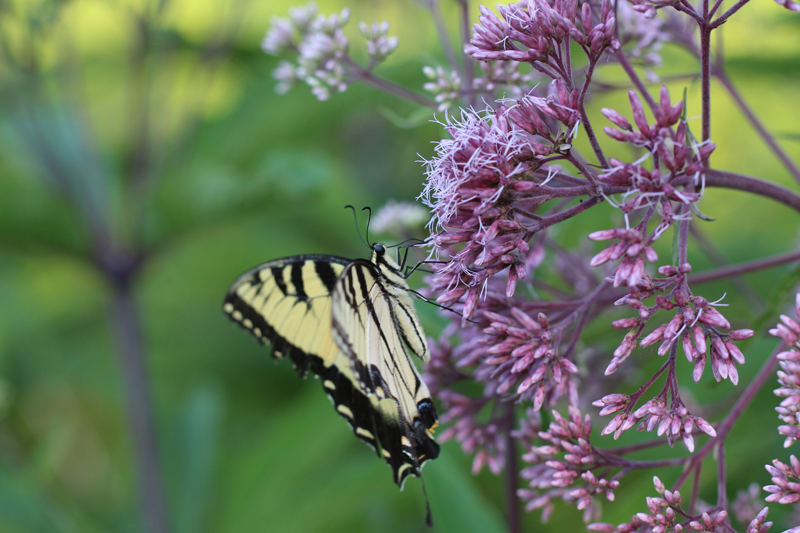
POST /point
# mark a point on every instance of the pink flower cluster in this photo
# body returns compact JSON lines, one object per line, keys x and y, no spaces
{"x":676,"y":159}
{"x":674,"y":421}
{"x":518,"y":352}
{"x":664,"y":516}
{"x":565,"y":458}
{"x":696,"y":324}
{"x":533,"y":31}
{"x":789,"y":377}
{"x":472,"y":183}
{"x":322,"y":49}
{"x":786,"y":479}
{"x":479,"y":438}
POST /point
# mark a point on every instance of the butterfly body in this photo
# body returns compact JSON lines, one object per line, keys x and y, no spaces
{"x":348,"y":322}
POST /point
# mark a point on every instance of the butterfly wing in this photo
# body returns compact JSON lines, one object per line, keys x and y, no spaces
{"x":287,"y":303}
{"x":370,"y":329}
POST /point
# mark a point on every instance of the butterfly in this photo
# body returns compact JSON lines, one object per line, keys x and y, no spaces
{"x":350,"y":323}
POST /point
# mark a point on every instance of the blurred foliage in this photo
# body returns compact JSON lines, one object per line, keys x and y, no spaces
{"x":153,"y":125}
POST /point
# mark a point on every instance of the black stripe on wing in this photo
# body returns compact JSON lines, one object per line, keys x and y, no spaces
{"x":356,"y":295}
{"x":273,"y":276}
{"x":403,"y":435}
{"x":379,"y":428}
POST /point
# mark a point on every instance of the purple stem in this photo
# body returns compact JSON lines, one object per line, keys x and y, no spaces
{"x":790,"y":165}
{"x":742,"y":268}
{"x":598,"y":152}
{"x":724,"y":17}
{"x":714,"y":178}
{"x":565,"y":214}
{"x":731,"y":180}
{"x":134,"y":374}
{"x":637,"y":81}
{"x":469,"y":66}
{"x":444,"y":37}
{"x":583,"y":169}
{"x":369,"y":78}
{"x":714,"y":9}
{"x":705,"y":75}
{"x":722,"y":493}
{"x":695,"y":488}
{"x":512,"y":500}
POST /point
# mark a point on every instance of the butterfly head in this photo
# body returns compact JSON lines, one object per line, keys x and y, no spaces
{"x":383,"y":260}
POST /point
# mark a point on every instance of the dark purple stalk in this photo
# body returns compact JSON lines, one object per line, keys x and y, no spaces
{"x":444,"y":37}
{"x":725,"y":16}
{"x":469,"y":66}
{"x":588,"y":174}
{"x":695,"y":488}
{"x":140,"y":410}
{"x":705,"y":75}
{"x":548,"y":221}
{"x":714,"y":178}
{"x":722,"y":492}
{"x":714,"y":9}
{"x":683,"y":244}
{"x":766,"y":136}
{"x":731,"y":180}
{"x":369,"y":78}
{"x":598,"y":151}
{"x":743,"y":268}
{"x":635,"y":79}
{"x":513,"y":511}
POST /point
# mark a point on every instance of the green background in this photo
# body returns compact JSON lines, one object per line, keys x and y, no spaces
{"x":238,"y":175}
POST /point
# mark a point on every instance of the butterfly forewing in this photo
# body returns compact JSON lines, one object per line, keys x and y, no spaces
{"x":287,"y":303}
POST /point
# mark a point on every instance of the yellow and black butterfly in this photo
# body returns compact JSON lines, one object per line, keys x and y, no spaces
{"x":349,"y":322}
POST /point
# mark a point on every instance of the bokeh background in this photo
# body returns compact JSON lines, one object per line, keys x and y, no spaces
{"x":145,"y":162}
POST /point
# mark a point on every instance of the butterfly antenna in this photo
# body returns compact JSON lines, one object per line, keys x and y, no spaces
{"x":404,"y":245}
{"x":355,"y":217}
{"x":369,"y":219}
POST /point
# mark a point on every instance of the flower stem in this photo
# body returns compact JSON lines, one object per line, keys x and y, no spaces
{"x":743,"y":268}
{"x":512,"y":500}
{"x":731,"y":180}
{"x":635,"y":79}
{"x":444,"y":37}
{"x":385,"y":85}
{"x":725,"y":16}
{"x":598,"y":152}
{"x":705,"y":76}
{"x":140,"y":410}
{"x":565,"y":214}
{"x":722,"y":493}
{"x":790,"y":165}
{"x":469,"y":66}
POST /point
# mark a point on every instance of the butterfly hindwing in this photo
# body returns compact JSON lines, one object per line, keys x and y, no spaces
{"x":372,"y":327}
